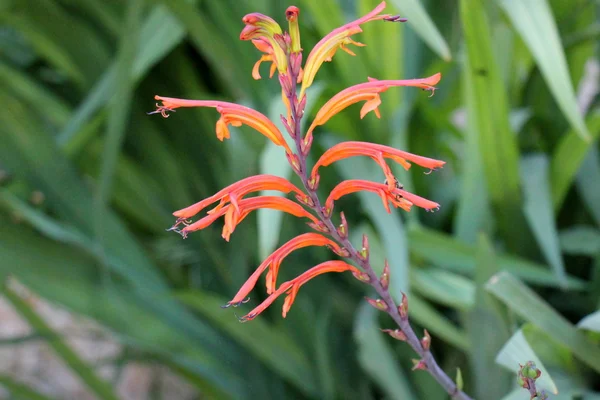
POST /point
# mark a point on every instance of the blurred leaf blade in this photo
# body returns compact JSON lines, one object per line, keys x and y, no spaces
{"x":534,"y":22}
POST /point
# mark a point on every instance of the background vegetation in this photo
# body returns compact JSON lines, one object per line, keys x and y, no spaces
{"x":507,"y":271}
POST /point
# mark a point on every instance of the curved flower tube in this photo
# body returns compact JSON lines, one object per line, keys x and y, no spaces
{"x":368,"y":92}
{"x":233,"y":217}
{"x":377,"y":152}
{"x":259,"y":26}
{"x":291,"y":287}
{"x":273,"y":262}
{"x":231,"y":114}
{"x":234,"y":192}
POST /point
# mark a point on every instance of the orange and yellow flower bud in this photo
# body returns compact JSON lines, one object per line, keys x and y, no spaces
{"x":339,"y":38}
{"x":291,"y":14}
{"x":259,"y":26}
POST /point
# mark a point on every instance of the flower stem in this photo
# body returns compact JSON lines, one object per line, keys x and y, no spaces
{"x":427,"y":357}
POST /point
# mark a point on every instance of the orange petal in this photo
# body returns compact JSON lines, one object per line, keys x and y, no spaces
{"x":295,"y":284}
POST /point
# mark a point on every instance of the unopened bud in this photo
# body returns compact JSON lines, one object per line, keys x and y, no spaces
{"x":287,"y":126}
{"x":294,"y":162}
{"x":396,"y":334}
{"x":320,"y":227}
{"x":363,"y":277}
{"x":384,"y":279}
{"x":313,"y":182}
{"x":378,"y":304}
{"x":419,"y":364}
{"x":301,"y":104}
{"x":403,"y":307}
{"x":343,"y":228}
{"x":426,"y":341}
{"x":306,"y":143}
{"x":459,"y":379}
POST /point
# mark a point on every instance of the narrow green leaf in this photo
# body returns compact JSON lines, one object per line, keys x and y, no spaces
{"x":160,"y":33}
{"x":587,"y":183}
{"x":497,"y":143}
{"x":445,"y":287}
{"x":583,"y":240}
{"x":487,"y":328}
{"x":473,"y":207}
{"x":518,"y":351}
{"x":568,"y":158}
{"x":265,"y":342}
{"x":529,"y":306}
{"x":442,"y":250}
{"x":539,"y":213}
{"x":45,"y":45}
{"x":590,"y":322}
{"x":534,"y":21}
{"x":437,"y":324}
{"x":376,"y":356}
{"x":20,"y":390}
{"x":101,"y":388}
{"x":324,"y":355}
{"x":421,"y":22}
{"x":119,"y":106}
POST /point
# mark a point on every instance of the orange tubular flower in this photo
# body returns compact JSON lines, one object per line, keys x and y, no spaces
{"x":368,"y":92}
{"x":234,"y":192}
{"x":231,"y":114}
{"x":377,"y":152}
{"x":264,"y":46}
{"x":337,"y":39}
{"x":245,"y":206}
{"x":291,"y":287}
{"x":273,"y":262}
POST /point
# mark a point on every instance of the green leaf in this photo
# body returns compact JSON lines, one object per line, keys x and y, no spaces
{"x":587,"y":183}
{"x":120,"y":105}
{"x":100,"y":387}
{"x":437,"y":324}
{"x":568,"y":158}
{"x":583,"y":240}
{"x":442,"y":250}
{"x":445,"y":287}
{"x":420,"y":21}
{"x":518,"y":351}
{"x":539,"y":213}
{"x":590,"y":322}
{"x":534,"y":21}
{"x":376,"y":356}
{"x":19,"y":390}
{"x":473,"y":207}
{"x":265,"y":342}
{"x":497,"y":143}
{"x":529,"y":306}
{"x":160,"y":33}
{"x":488,"y":330}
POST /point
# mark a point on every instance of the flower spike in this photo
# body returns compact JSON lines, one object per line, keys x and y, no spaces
{"x":291,"y":287}
{"x":273,"y":262}
{"x":336,"y":39}
{"x":231,"y":114}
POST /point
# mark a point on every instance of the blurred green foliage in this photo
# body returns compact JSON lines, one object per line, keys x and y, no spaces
{"x":499,"y":276}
